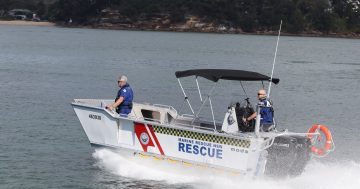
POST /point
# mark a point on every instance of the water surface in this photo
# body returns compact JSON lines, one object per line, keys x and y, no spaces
{"x":42,"y":69}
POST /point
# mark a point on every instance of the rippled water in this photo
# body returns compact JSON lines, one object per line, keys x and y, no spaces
{"x":43,"y":68}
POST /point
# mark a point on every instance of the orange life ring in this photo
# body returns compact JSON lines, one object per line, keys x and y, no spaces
{"x":328,"y":143}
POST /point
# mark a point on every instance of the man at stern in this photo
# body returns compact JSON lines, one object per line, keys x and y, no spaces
{"x":266,"y":112}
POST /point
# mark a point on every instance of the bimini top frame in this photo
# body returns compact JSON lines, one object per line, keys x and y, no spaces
{"x":215,"y":75}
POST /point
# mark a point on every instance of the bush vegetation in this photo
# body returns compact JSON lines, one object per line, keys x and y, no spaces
{"x":339,"y":16}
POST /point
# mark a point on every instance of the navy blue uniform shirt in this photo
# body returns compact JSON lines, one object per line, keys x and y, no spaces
{"x":266,"y":113}
{"x":128,"y":95}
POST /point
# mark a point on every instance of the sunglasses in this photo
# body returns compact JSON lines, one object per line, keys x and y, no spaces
{"x":260,"y":94}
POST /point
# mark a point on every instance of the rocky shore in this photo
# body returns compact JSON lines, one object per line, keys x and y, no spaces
{"x":210,"y":30}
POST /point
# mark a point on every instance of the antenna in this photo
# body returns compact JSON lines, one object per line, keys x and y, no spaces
{"x":273,"y":67}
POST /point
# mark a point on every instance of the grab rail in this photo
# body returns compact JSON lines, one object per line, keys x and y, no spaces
{"x":188,"y":115}
{"x":165,"y":106}
{"x":196,"y":126}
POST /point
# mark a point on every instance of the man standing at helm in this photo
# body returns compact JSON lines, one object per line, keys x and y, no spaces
{"x":266,"y":112}
{"x":123,"y":101}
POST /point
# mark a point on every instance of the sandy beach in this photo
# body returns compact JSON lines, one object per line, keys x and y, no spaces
{"x":25,"y":23}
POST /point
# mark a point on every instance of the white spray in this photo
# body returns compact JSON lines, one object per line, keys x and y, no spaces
{"x":320,"y":175}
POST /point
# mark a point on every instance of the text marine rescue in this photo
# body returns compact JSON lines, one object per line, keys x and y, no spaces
{"x":197,"y":149}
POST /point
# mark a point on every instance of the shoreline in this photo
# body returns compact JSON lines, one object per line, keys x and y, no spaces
{"x":25,"y":23}
{"x":190,"y":30}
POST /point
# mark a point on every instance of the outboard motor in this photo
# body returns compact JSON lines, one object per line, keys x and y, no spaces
{"x":244,"y":112}
{"x":288,"y":156}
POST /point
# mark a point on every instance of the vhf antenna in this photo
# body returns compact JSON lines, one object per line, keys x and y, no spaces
{"x":273,"y":67}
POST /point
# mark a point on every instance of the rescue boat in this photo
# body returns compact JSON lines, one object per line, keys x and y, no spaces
{"x":160,"y":131}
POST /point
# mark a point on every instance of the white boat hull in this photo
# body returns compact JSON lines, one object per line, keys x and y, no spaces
{"x":195,"y":146}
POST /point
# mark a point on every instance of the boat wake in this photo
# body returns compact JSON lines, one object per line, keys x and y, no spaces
{"x":335,"y":175}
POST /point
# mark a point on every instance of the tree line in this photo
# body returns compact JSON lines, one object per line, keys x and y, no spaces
{"x":340,"y":16}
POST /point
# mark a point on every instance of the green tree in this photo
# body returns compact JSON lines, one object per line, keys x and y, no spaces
{"x":5,"y":5}
{"x":250,"y":15}
{"x":77,"y":10}
{"x":41,"y":9}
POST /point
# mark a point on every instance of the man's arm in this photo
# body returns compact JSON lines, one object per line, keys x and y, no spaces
{"x":116,"y":104}
{"x":253,"y":116}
